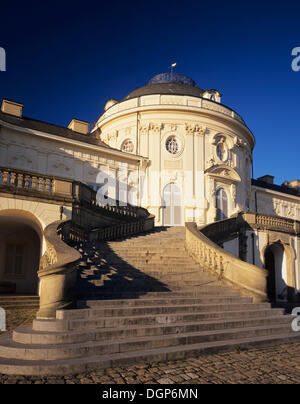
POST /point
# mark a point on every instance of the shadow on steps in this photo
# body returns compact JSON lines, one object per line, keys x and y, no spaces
{"x":100,"y":278}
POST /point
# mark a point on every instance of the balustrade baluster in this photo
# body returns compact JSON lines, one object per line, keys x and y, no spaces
{"x":26,"y":181}
{"x":5,"y":177}
{"x":33,"y":182}
{"x":47,"y":185}
{"x":12,"y":179}
{"x":19,"y":180}
{"x":40,"y":183}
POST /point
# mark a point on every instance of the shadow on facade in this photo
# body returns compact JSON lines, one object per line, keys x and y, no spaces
{"x":280,"y":293}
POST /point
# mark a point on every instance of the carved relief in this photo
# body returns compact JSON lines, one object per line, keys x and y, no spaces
{"x":210,"y":163}
{"x":239,"y":143}
{"x":143,"y":129}
{"x":171,"y":127}
{"x":155,"y":127}
{"x":224,"y":172}
{"x":233,"y":192}
{"x":191,"y":129}
{"x":110,"y":137}
{"x":279,"y":207}
{"x":60,"y":167}
{"x":22,"y":160}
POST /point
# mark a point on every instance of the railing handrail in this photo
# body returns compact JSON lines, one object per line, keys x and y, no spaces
{"x":249,"y":278}
{"x":251,"y":220}
{"x":61,"y":252}
{"x":122,"y":229}
{"x":57,"y":273}
{"x":35,"y":174}
{"x":77,"y":191}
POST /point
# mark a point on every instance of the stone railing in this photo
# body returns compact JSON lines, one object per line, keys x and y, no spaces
{"x":57,"y":272}
{"x":224,"y":229}
{"x":250,"y":280}
{"x":202,"y":245}
{"x":24,"y":182}
{"x":123,"y":229}
{"x":20,"y":181}
{"x":276,"y":223}
{"x":87,"y":196}
{"x":71,"y":233}
{"x":170,"y":101}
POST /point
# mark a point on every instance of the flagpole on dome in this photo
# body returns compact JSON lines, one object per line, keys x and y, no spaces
{"x":171,"y":67}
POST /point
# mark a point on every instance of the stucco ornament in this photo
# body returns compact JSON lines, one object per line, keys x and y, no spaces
{"x":155,"y":127}
{"x":110,"y":137}
{"x":191,"y":129}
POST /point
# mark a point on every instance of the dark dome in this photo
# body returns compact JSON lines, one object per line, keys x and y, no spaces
{"x":168,"y":83}
{"x":172,"y":78}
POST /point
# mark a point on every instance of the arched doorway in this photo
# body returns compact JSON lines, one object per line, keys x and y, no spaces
{"x":20,"y":251}
{"x":221,"y":204}
{"x":275,"y":263}
{"x":172,"y":205}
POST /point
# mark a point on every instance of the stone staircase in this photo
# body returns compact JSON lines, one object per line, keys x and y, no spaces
{"x":143,"y":299}
{"x":17,"y":302}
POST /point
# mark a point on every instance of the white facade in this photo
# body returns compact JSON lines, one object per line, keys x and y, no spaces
{"x":169,"y":147}
{"x":212,"y":150}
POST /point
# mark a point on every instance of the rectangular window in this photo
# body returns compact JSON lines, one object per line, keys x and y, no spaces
{"x":14,"y":258}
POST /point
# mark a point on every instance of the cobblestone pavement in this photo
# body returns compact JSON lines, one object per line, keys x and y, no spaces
{"x":280,"y":365}
{"x":272,"y":365}
{"x":16,"y":317}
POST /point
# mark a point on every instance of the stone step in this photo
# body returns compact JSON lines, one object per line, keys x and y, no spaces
{"x":148,"y":319}
{"x":85,"y":364}
{"x":145,"y":266}
{"x":97,"y":312}
{"x":134,"y":253}
{"x":18,"y":306}
{"x":149,"y":275}
{"x":164,"y":301}
{"x":157,"y":263}
{"x":15,"y":302}
{"x":87,"y":291}
{"x":108,"y":295}
{"x":140,"y":285}
{"x":163,"y":244}
{"x":14,"y":350}
{"x":25,"y":335}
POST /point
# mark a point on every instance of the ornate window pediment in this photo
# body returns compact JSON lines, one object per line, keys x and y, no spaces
{"x":224,"y":172}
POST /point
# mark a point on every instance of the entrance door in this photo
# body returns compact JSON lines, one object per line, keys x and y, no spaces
{"x":172,"y":205}
{"x":271,"y":280}
{"x":275,"y":263}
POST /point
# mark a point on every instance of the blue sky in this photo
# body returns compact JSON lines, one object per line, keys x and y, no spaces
{"x":66,"y":60}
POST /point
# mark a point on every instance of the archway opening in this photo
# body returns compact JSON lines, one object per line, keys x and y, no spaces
{"x":172,"y":205}
{"x":275,"y":263}
{"x":20,"y":251}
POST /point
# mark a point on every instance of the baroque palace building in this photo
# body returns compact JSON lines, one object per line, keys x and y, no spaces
{"x":169,"y":147}
{"x":78,"y":209}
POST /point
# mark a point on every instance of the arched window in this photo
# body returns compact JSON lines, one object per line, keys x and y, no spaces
{"x":222,"y":151}
{"x":221,"y":204}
